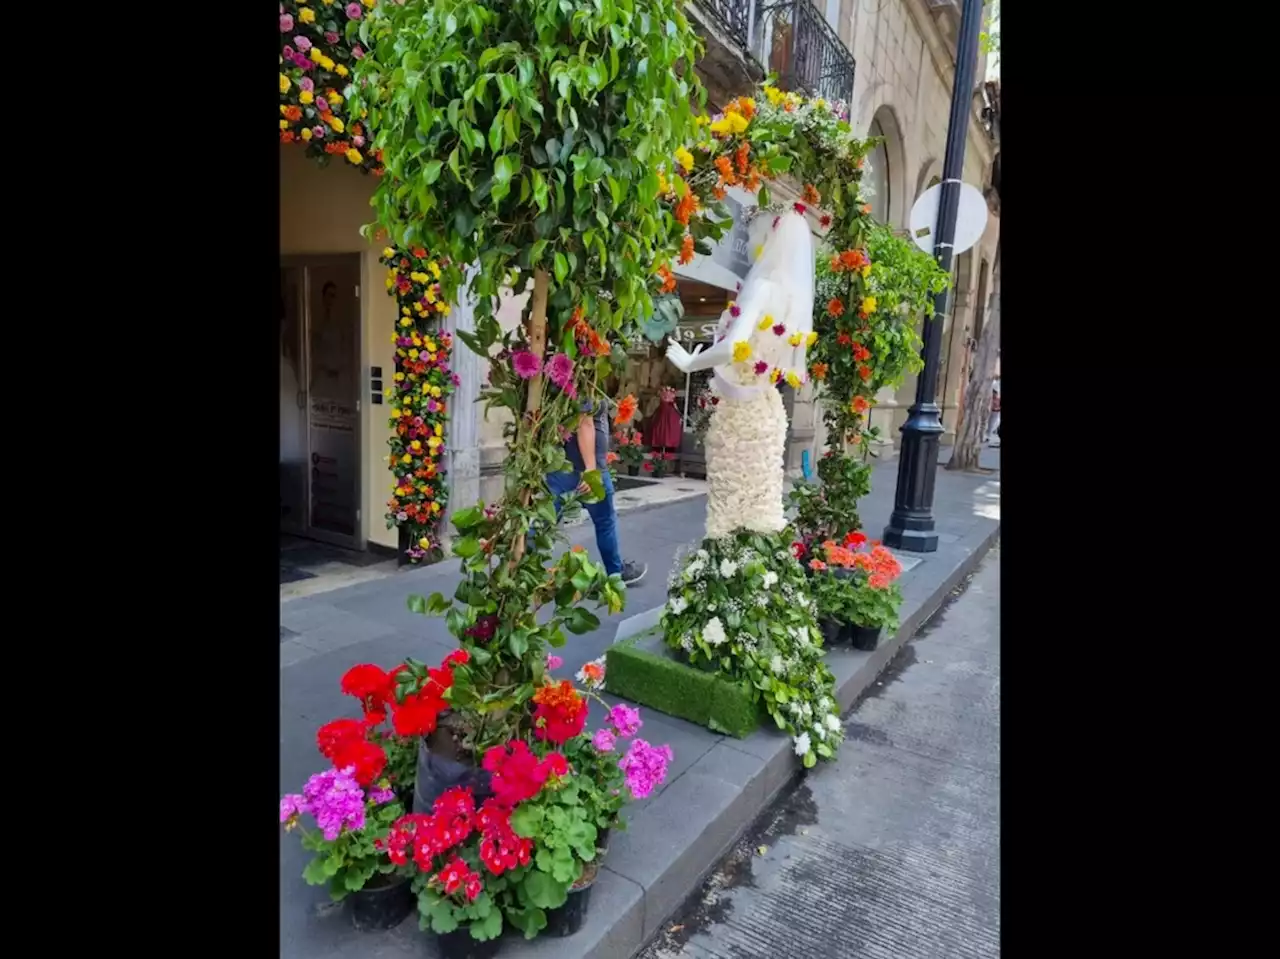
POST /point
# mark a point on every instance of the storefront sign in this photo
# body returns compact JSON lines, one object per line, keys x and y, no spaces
{"x":730,"y":258}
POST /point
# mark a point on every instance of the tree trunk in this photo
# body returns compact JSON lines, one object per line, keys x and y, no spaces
{"x":537,"y":334}
{"x":976,"y":413}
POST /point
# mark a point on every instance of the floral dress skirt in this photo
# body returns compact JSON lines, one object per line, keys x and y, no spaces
{"x":746,"y":446}
{"x":664,"y":428}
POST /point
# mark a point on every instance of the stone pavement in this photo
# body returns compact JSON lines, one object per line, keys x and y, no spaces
{"x":892,"y":851}
{"x":321,"y":636}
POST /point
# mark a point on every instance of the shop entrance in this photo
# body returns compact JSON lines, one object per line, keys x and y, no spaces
{"x":319,"y":398}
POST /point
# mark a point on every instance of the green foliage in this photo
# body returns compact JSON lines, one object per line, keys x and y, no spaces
{"x":871,"y":606}
{"x":828,"y":509}
{"x":347,"y":863}
{"x":677,"y":689}
{"x":740,"y":605}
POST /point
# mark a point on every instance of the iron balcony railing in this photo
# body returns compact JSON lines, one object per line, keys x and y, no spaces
{"x":790,"y":38}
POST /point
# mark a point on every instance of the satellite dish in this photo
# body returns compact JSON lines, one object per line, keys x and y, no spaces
{"x":971,"y":218}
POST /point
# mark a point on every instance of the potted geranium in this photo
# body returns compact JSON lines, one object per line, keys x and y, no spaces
{"x":876,"y":599}
{"x":659,"y":462}
{"x":351,"y":817}
{"x":630,"y":449}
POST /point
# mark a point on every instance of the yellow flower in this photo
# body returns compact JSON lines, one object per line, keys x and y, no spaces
{"x":405,"y":321}
{"x":417,"y":340}
{"x":370,"y":3}
{"x":284,"y":84}
{"x":759,"y":249}
{"x":404,"y":310}
{"x":399,"y":376}
{"x":869,"y":304}
{"x":340,"y":70}
{"x":434,"y":442}
{"x":435,"y":269}
{"x":793,"y":380}
{"x":413,"y":354}
{"x":284,"y":124}
{"x":435,"y":391}
{"x":326,"y":62}
{"x":765,"y":322}
{"x":388,"y":252}
{"x":701,"y":121}
{"x":435,"y":507}
{"x":730,"y":123}
{"x":741,"y":351}
{"x":389,"y":391}
{"x":439,"y":430}
{"x":819,"y":103}
{"x":795,"y":338}
{"x":866,"y":270}
{"x":431,"y":295}
{"x":444,"y":308}
{"x":307,"y":16}
{"x":335,"y":98}
{"x":406,"y":458}
{"x":395,"y":413}
{"x":684,"y":158}
{"x":811,"y":338}
{"x":305,"y":134}
{"x":337,"y":124}
{"x":775,"y":375}
{"x":306,"y":96}
{"x":393,"y":340}
{"x":773,"y":95}
{"x":430,"y":345}
{"x":424,"y":543}
{"x":316,"y":55}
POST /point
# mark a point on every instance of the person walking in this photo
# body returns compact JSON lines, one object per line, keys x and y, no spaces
{"x":587,"y":449}
{"x":993,"y":424}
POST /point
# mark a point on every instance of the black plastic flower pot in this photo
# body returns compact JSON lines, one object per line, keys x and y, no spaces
{"x":460,"y":944}
{"x":865,"y":638}
{"x":633,"y":471}
{"x":385,"y":901}
{"x":441,"y":768}
{"x":832,"y":631}
{"x":602,"y":844}
{"x":569,"y":918}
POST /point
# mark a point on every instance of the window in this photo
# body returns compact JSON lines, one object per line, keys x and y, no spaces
{"x":877,"y":177}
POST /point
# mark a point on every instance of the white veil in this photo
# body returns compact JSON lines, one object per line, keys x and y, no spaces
{"x":788,"y":261}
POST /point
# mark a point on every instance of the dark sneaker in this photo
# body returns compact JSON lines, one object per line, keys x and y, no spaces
{"x":632,"y":573}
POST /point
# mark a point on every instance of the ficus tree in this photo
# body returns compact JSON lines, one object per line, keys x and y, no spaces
{"x":521,"y":141}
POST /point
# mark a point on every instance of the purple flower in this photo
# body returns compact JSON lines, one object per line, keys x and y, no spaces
{"x":645,"y":767}
{"x":554,"y":661}
{"x":336,"y":801}
{"x":625,"y":720}
{"x":292,"y":805}
{"x":330,"y":37}
{"x":456,"y":379}
{"x":318,"y":131}
{"x":381,"y":796}
{"x":354,"y":11}
{"x":559,"y":370}
{"x":307,"y":83}
{"x":302,"y":43}
{"x":603,"y":740}
{"x":525,"y":364}
{"x":402,"y":516}
{"x":286,"y":23}
{"x":322,"y":104}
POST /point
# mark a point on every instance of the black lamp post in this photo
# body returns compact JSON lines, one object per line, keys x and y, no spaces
{"x":911,"y":527}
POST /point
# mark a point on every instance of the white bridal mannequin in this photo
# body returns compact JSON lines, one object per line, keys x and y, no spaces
{"x":746,"y":439}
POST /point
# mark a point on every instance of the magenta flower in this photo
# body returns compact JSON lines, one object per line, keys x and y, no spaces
{"x":358,"y":52}
{"x":302,"y":43}
{"x":761,"y":367}
{"x":645,"y":767}
{"x":625,"y":720}
{"x":778,"y":329}
{"x":735,"y":310}
{"x":318,"y":132}
{"x":354,"y":11}
{"x":357,"y":140}
{"x":322,"y":104}
{"x":553,"y":661}
{"x":287,"y":52}
{"x":559,"y":370}
{"x":330,"y":37}
{"x":603,"y":741}
{"x":525,"y":364}
{"x":381,"y":796}
{"x":292,"y":805}
{"x":333,"y":798}
{"x":307,"y":83}
{"x":286,"y":23}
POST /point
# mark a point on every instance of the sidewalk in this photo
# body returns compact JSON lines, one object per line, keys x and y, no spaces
{"x":660,"y":860}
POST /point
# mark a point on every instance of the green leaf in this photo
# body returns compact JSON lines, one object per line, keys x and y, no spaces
{"x":595,"y":484}
{"x":490,"y":927}
{"x":432,"y":171}
{"x":464,"y":519}
{"x":314,"y":874}
{"x":561,"y":271}
{"x":450,"y":25}
{"x":582,"y":621}
{"x":544,"y":891}
{"x":466,"y":547}
{"x":442,"y":918}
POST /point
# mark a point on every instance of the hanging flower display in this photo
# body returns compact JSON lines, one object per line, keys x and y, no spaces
{"x":316,"y":61}
{"x":419,"y":398}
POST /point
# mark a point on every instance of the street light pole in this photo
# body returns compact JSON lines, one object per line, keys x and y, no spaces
{"x":911,"y":527}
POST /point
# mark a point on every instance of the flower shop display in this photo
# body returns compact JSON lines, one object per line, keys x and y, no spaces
{"x":659,"y":462}
{"x":316,"y":61}
{"x":665,"y":427}
{"x":419,"y":414}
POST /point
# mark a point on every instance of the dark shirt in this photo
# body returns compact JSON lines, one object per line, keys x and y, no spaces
{"x":601,"y":418}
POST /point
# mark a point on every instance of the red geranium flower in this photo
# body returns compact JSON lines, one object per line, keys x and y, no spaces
{"x":417,"y":714}
{"x":368,"y":759}
{"x":459,"y":657}
{"x":331,"y":737}
{"x":561,"y":712}
{"x":370,"y":685}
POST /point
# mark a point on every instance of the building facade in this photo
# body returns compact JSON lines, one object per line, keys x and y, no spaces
{"x":892,"y":61}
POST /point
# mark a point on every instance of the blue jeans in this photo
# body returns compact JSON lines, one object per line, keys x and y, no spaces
{"x":603,"y":515}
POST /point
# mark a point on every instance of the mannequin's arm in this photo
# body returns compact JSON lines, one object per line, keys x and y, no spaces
{"x":721,"y":354}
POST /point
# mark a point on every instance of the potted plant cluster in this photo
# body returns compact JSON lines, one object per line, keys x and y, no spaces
{"x":855,"y":589}
{"x":659,"y":462}
{"x":630,"y":443}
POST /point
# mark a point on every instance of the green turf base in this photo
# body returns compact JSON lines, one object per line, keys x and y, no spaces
{"x":644,"y":671}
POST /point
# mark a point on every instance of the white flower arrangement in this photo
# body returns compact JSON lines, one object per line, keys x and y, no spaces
{"x":727,"y":568}
{"x":802,"y":745}
{"x":677,"y":604}
{"x":832,"y":721}
{"x":713,"y":633}
{"x":770,"y":579}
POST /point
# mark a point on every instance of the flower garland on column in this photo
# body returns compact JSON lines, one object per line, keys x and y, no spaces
{"x":419,"y":398}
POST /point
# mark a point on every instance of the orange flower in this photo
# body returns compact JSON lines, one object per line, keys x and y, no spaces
{"x":843,"y":338}
{"x":686,"y":249}
{"x":293,"y":113}
{"x":740,"y":157}
{"x":864,"y":372}
{"x":626,"y":409}
{"x":610,"y":458}
{"x":860,"y":404}
{"x":817,"y":565}
{"x":687,"y":206}
{"x":860,"y":353}
{"x":852,"y":259}
{"x":577,"y":548}
{"x":668,"y":279}
{"x":418,"y":251}
{"x":811,"y":194}
{"x":836,"y":265}
{"x":286,"y":136}
{"x":819,"y":371}
{"x":719,"y":192}
{"x":866,"y":208}
{"x":725,"y":166}
{"x":835,"y":307}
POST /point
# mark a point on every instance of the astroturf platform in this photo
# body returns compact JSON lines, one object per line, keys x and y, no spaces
{"x":641,"y":668}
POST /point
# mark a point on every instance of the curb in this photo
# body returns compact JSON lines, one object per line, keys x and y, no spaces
{"x":677,"y":839}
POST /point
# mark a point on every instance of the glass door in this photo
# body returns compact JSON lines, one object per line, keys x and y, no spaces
{"x":293,"y":402}
{"x":333,"y":382}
